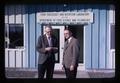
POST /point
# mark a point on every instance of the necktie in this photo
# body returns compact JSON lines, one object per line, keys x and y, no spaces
{"x":49,"y":41}
{"x":66,"y":43}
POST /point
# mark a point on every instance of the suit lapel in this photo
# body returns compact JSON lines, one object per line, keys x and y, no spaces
{"x":46,"y":41}
{"x":69,"y":43}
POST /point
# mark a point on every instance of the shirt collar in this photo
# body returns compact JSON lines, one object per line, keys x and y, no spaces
{"x":69,"y":39}
{"x":47,"y":36}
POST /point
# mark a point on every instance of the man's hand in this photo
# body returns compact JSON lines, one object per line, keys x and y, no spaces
{"x":71,"y":68}
{"x":48,"y":49}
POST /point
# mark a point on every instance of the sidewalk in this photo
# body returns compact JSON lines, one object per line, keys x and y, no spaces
{"x":15,"y":73}
{"x":58,"y":74}
{"x":80,"y":74}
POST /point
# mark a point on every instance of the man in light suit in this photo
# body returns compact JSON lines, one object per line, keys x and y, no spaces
{"x":70,"y":54}
{"x":47,"y":46}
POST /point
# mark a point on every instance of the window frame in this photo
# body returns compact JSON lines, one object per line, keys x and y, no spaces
{"x":7,"y":25}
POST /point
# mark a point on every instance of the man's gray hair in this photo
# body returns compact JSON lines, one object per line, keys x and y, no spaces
{"x":48,"y":26}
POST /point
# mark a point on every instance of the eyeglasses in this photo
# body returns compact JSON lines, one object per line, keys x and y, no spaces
{"x":48,"y":31}
{"x":66,"y":33}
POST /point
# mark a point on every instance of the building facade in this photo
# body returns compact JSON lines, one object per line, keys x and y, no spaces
{"x":96,"y":33}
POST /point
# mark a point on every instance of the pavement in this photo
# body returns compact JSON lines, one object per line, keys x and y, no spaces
{"x":16,"y":73}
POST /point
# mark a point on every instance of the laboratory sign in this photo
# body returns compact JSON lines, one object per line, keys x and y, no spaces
{"x":65,"y":17}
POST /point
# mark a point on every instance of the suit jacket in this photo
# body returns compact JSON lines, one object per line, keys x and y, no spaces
{"x":71,"y":53}
{"x":42,"y":44}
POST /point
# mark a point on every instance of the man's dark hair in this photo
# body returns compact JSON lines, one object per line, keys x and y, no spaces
{"x":70,"y":30}
{"x":48,"y":26}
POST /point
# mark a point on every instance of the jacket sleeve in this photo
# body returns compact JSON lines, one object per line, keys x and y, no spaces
{"x":40,"y":45}
{"x":76,"y":51}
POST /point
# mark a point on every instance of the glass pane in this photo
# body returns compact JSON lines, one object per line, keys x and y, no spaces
{"x":16,"y":35}
{"x":6,"y":32}
{"x":56,"y":33}
{"x":112,"y":46}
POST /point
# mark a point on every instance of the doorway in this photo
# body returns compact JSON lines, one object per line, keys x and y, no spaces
{"x":58,"y":31}
{"x":78,"y":32}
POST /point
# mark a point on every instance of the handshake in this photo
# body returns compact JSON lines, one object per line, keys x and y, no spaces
{"x":51,"y":48}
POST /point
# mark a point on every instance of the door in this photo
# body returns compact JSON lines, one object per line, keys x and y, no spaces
{"x":78,"y":33}
{"x":58,"y":31}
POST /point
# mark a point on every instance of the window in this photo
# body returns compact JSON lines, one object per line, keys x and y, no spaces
{"x":112,"y":44}
{"x":14,"y":36}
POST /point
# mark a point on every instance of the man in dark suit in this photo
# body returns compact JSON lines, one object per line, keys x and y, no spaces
{"x":47,"y":46}
{"x":70,"y":54}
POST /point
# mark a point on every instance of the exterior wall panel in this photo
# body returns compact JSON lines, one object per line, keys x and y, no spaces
{"x":32,"y":40}
{"x":102,"y":39}
{"x":88,"y":54}
{"x":95,"y":38}
{"x":11,"y":13}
